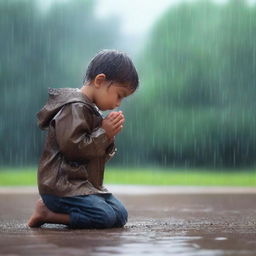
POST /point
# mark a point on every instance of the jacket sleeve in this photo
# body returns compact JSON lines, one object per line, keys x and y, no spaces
{"x":111,"y":151}
{"x":74,"y":134}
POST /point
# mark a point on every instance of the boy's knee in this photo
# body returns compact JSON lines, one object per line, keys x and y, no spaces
{"x":125,"y":215}
{"x":108,"y":218}
{"x":103,"y":218}
{"x":122,"y":217}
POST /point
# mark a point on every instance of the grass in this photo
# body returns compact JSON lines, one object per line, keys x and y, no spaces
{"x":145,"y":176}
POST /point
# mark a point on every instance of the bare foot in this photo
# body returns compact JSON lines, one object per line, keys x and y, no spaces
{"x":39,"y":216}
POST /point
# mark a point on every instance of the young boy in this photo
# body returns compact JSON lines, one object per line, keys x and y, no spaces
{"x":79,"y":142}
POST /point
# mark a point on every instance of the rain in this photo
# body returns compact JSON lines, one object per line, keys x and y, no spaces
{"x":192,"y":120}
{"x":196,"y":62}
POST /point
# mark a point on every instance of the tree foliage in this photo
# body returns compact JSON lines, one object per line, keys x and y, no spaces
{"x":196,"y":102}
{"x":195,"y":105}
{"x":41,"y":49}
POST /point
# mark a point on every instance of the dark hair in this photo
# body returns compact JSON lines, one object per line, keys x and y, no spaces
{"x":116,"y":66}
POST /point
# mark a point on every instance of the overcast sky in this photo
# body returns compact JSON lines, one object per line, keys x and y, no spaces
{"x":136,"y":15}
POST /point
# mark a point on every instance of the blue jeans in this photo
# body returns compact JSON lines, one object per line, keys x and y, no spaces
{"x":89,"y":211}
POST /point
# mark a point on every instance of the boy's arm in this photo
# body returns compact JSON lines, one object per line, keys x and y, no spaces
{"x":74,"y":136}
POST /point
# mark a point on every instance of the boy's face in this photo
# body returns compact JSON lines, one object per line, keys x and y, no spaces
{"x":109,"y":96}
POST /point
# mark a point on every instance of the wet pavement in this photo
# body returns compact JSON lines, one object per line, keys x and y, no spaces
{"x":167,"y":221}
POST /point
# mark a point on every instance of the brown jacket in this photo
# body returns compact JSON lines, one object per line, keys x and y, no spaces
{"x":76,"y":148}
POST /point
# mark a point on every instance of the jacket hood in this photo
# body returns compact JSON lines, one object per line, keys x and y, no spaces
{"x":58,"y":97}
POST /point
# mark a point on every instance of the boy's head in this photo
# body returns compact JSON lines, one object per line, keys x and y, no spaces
{"x":112,"y":76}
{"x":116,"y":66}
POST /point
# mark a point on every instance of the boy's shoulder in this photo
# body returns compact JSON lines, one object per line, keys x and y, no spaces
{"x":75,"y":97}
{"x":59,"y":98}
{"x":67,"y":95}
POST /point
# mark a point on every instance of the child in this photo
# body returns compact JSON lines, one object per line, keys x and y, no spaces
{"x":79,"y":142}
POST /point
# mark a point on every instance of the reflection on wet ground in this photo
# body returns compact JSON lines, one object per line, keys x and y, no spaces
{"x":166,"y":224}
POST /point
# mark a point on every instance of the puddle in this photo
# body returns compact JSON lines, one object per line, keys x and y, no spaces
{"x":220,"y":238}
{"x":158,"y":225}
{"x":146,"y":238}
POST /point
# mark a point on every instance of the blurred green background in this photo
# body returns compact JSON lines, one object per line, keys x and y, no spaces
{"x":192,"y":120}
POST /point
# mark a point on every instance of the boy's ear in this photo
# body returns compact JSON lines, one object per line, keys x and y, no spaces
{"x":99,"y":80}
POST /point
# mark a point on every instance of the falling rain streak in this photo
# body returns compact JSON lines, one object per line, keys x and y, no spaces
{"x":195,"y":105}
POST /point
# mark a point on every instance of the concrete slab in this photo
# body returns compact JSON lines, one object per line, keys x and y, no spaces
{"x":185,"y":223}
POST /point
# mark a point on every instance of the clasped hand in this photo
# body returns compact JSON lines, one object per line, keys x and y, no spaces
{"x":113,"y":123}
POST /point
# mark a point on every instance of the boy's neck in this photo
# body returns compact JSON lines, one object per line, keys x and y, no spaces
{"x":87,"y":91}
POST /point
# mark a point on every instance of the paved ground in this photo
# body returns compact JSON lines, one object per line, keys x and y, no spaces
{"x":166,"y":221}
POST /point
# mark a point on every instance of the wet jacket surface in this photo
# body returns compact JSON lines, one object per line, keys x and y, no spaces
{"x":76,"y":148}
